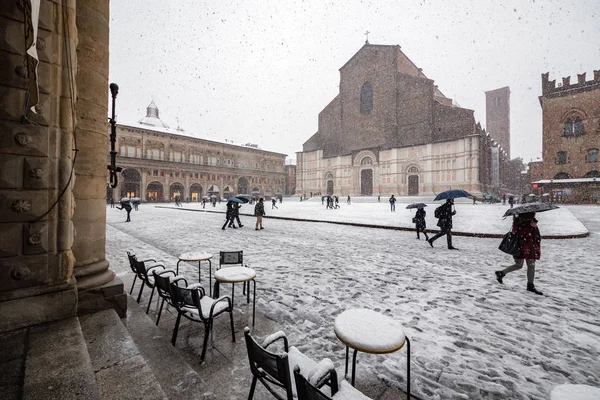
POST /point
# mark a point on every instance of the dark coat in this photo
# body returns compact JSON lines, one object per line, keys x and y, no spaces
{"x":125,"y":205}
{"x":231,"y":208}
{"x":446,"y":213}
{"x":259,"y":209}
{"x":522,"y":226}
{"x":420,"y":219}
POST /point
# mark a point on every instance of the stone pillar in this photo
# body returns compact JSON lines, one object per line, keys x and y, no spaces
{"x":36,"y":161}
{"x":97,"y":285}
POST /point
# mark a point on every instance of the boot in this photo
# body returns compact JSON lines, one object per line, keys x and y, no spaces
{"x":531,"y":288}
{"x":430,"y":242}
{"x":499,"y":276}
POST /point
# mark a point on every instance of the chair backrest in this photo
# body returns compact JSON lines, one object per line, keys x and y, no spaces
{"x":132,"y":262}
{"x":306,"y":391}
{"x":275,"y":366}
{"x":162,"y":284}
{"x":184,"y":297}
{"x":231,"y":258}
{"x":141,"y":270}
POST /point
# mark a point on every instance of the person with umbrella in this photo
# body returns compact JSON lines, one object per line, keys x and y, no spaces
{"x":444,"y":214}
{"x":126,"y":204}
{"x":230,"y":215}
{"x":419,"y":219}
{"x":525,"y":226}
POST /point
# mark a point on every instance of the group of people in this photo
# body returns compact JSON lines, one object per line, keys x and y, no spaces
{"x":524,"y":225}
{"x":233,"y":214}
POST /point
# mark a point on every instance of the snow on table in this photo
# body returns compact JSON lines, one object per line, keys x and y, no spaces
{"x":195,"y":256}
{"x":575,"y":392}
{"x":234,"y":274}
{"x":369,"y":331}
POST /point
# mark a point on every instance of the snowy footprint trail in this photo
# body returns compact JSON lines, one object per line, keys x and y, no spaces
{"x":471,"y":337}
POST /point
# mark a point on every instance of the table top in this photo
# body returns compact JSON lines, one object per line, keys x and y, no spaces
{"x":195,"y":256}
{"x":575,"y":392}
{"x":369,"y":331}
{"x":234,"y":274}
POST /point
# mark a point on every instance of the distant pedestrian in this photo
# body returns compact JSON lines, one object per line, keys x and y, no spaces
{"x":203,"y":203}
{"x":444,"y":214}
{"x":420,"y":223}
{"x":229,"y":216}
{"x":393,"y":203}
{"x":112,"y":202}
{"x":511,"y":201}
{"x":136,"y":203}
{"x":525,"y":225}
{"x":274,"y":203}
{"x":322,"y":200}
{"x":337,"y":201}
{"x":504,"y":199}
{"x":259,"y":213}
{"x":474,"y":200}
{"x":379,"y":199}
{"x":348,"y":201}
{"x":127,"y":206}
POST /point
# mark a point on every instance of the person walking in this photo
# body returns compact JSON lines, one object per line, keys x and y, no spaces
{"x":511,"y":201}
{"x":236,"y":214}
{"x":348,"y":201}
{"x":420,"y":223}
{"x":203,"y":203}
{"x":525,"y":225}
{"x":445,"y":223}
{"x":259,"y":213}
{"x":229,"y":215}
{"x":127,"y":206}
{"x":393,"y":203}
{"x":274,"y":203}
{"x":112,"y":203}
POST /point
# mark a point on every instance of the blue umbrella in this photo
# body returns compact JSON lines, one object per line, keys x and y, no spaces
{"x":243,"y":198}
{"x":452,"y":194}
{"x":235,"y":200}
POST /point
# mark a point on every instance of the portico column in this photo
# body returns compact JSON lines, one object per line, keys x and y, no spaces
{"x":98,"y":288}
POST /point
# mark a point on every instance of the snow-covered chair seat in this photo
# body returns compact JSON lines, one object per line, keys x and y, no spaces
{"x":274,"y":368}
{"x":308,"y":391}
{"x":193,"y":304}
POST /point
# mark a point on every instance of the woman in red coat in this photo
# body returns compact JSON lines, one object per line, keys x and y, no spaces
{"x":525,"y":225}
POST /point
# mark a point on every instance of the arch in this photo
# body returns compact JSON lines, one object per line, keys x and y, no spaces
{"x":154,"y":191}
{"x":366,"y":161}
{"x":592,"y":174}
{"x":227,"y":191}
{"x":242,"y":185}
{"x":213,"y":190}
{"x":176,"y":189}
{"x":562,"y":175}
{"x":366,"y":98}
{"x":412,"y":169}
{"x":131,"y":181}
{"x":360,"y":156}
{"x":196,"y":192}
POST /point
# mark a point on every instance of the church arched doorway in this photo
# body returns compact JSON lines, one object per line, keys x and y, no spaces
{"x":413,"y":185}
{"x":366,"y":182}
{"x":176,"y":190}
{"x":329,"y":183}
{"x":154,"y":191}
{"x":196,"y":192}
{"x":242,"y":186}
{"x":131,"y":184}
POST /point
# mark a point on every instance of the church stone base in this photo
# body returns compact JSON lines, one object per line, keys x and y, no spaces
{"x":109,"y":295}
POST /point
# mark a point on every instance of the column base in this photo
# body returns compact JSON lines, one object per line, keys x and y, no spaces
{"x":109,"y":295}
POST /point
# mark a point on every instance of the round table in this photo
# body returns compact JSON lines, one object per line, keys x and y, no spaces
{"x":235,"y":275}
{"x":199,"y":256}
{"x":575,"y":392}
{"x":370,"y":332}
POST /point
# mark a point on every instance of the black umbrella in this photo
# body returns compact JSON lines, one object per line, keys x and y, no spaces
{"x":244,"y":198}
{"x":416,"y":205}
{"x":529,"y":208}
{"x":452,"y":194}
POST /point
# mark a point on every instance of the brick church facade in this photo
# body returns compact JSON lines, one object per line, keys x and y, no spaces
{"x":391,"y":131}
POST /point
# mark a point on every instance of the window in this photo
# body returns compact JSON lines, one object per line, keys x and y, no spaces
{"x":497,"y":101}
{"x":573,"y":127}
{"x":561,"y":157}
{"x":592,"y":155}
{"x":155,"y":172}
{"x":366,"y":98}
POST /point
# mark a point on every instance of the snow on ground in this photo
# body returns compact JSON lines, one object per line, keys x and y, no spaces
{"x":470,"y":336}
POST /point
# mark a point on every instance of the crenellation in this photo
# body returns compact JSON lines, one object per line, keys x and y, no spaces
{"x":581,"y":78}
{"x":549,"y":87}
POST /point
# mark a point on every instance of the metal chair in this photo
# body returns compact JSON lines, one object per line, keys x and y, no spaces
{"x":193,"y":304}
{"x":273,"y":368}
{"x":146,"y":274}
{"x":162,"y":284}
{"x":307,"y":391}
{"x":132,"y":259}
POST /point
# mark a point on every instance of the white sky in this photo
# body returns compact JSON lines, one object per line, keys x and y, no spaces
{"x":261,"y":71}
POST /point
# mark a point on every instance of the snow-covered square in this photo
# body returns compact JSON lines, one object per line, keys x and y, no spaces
{"x":471,"y":337}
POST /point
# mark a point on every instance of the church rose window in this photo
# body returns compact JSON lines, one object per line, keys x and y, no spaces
{"x":366,"y":98}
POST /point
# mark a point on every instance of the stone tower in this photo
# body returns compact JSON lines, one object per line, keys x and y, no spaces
{"x":497,"y":116}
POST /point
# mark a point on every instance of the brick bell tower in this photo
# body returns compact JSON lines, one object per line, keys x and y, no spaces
{"x":497,"y":116}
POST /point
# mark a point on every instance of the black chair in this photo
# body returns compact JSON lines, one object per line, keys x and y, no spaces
{"x":273,"y":368}
{"x":132,"y":259}
{"x":162,"y":284}
{"x":193,"y":304}
{"x":146,"y":274}
{"x":307,"y":391}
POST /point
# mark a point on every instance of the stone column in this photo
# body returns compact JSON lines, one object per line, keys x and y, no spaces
{"x":98,"y":288}
{"x":36,"y":164}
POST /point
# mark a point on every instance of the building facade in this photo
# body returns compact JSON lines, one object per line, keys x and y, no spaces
{"x":290,"y":184}
{"x":571,"y":139}
{"x":390,"y":130}
{"x":159,"y":164}
{"x":497,"y":116}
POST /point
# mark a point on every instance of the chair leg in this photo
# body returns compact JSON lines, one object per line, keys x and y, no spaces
{"x":150,"y":301}
{"x":231,"y":322}
{"x":206,"y":334}
{"x":133,"y":284}
{"x":141,"y":289}
{"x":251,"y":395}
{"x":176,"y":329}
{"x":408,"y":369}
{"x":162,"y":303}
